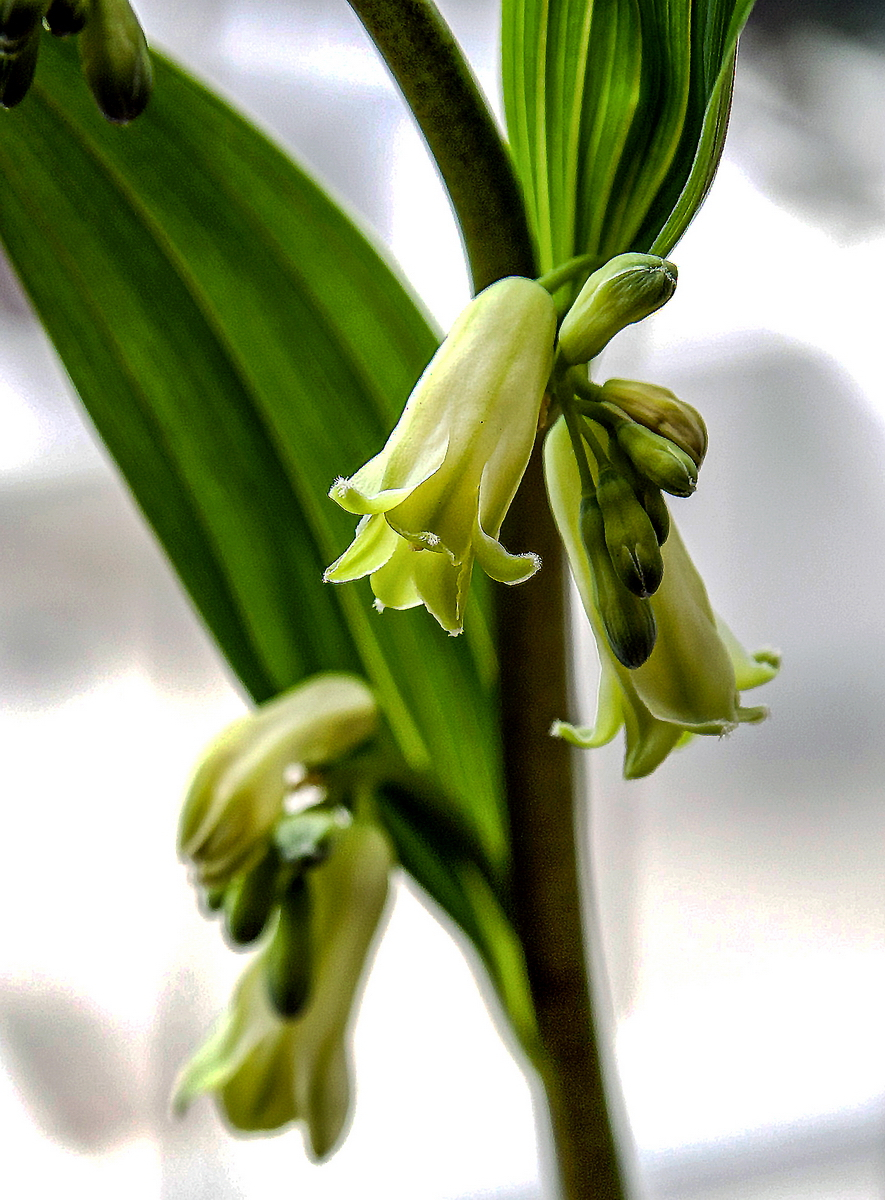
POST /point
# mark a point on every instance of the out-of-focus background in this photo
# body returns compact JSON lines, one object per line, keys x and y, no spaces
{"x":741,"y":885}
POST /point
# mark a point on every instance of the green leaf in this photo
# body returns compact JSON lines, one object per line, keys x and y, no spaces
{"x":238,"y":343}
{"x":440,"y":855}
{"x":616,"y":112}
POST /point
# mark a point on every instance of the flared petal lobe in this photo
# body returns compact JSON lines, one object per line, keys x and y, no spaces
{"x":450,"y":469}
{"x":690,"y":682}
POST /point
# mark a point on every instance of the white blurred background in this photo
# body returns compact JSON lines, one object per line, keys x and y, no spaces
{"x":741,"y":885}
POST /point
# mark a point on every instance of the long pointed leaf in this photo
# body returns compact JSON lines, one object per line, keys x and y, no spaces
{"x":238,"y":343}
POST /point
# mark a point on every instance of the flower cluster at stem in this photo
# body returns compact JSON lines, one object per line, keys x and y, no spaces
{"x":306,"y":882}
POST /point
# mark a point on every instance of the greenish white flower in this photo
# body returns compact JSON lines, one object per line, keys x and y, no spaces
{"x":434,"y":499}
{"x":265,"y":1071}
{"x":237,"y":792}
{"x":691,"y":682}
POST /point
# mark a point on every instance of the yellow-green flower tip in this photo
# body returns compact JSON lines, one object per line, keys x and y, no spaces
{"x":626,"y":289}
{"x":433,"y":500}
{"x":692,"y":679}
{"x":237,"y":792}
{"x":266,"y":1071}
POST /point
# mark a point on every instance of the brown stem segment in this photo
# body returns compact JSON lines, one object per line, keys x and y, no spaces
{"x":445,"y":99}
{"x":532,"y":634}
{"x":546,"y":878}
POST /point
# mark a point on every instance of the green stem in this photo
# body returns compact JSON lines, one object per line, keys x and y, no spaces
{"x":546,"y":898}
{"x":445,"y":99}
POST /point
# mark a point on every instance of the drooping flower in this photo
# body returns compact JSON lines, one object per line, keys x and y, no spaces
{"x":691,"y":682}
{"x":237,"y":791}
{"x":434,"y":499}
{"x":265,"y":1071}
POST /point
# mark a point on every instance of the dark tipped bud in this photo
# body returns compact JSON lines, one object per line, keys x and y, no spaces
{"x":628,"y":288}
{"x":660,"y":411}
{"x":629,"y":535}
{"x":116,"y":61}
{"x":17,"y":72}
{"x":19,"y":20}
{"x":628,"y":621}
{"x":66,"y":17}
{"x":288,"y":963}
{"x":251,"y":900}
{"x":655,"y":506}
{"x":658,"y":459}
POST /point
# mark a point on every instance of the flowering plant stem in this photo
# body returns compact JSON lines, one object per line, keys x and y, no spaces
{"x":546,"y":882}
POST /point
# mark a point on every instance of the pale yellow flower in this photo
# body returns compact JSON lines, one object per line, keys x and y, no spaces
{"x":434,"y":499}
{"x":691,"y":682}
{"x":265,"y":1071}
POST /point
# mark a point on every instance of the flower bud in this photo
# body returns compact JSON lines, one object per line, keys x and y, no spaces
{"x":660,"y":411}
{"x":662,"y":462}
{"x":627,"y":620}
{"x":65,"y":17}
{"x":116,"y":61}
{"x":288,"y":965}
{"x":629,"y":534}
{"x":655,"y":506}
{"x":251,"y":898}
{"x":19,"y":21}
{"x":17,"y":71}
{"x":623,"y":291}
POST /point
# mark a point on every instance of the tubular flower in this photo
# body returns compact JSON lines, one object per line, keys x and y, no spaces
{"x":692,"y":679}
{"x":266,"y":1071}
{"x":434,"y":499}
{"x":237,"y":792}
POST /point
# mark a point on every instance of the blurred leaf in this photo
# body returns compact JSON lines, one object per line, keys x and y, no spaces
{"x":441,"y":856}
{"x":238,"y":343}
{"x":616,"y":112}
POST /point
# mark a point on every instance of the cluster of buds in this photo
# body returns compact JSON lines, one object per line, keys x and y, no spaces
{"x":670,"y":667}
{"x":632,"y":442}
{"x":113,"y":50}
{"x":639,"y":441}
{"x":433,"y":500}
{"x":306,"y":883}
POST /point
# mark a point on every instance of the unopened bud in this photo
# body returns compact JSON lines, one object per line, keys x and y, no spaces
{"x":662,"y":462}
{"x":655,"y":505}
{"x":251,"y":899}
{"x":17,"y":72}
{"x":65,"y":17}
{"x":19,"y":19}
{"x":116,"y":61}
{"x":629,"y":535}
{"x":628,"y":288}
{"x":289,"y":961}
{"x":628,"y":621}
{"x":660,"y":411}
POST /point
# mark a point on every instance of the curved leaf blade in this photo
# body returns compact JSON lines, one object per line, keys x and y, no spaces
{"x":616,"y":111}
